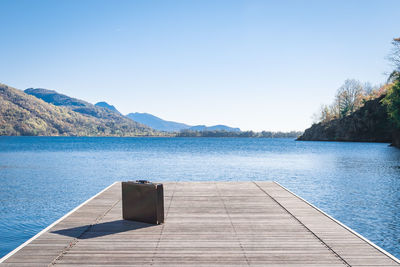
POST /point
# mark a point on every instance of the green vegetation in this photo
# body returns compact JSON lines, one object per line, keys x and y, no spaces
{"x":361,"y":112}
{"x":263,"y":134}
{"x":353,"y":94}
{"x":369,"y":123}
{"x":392,"y":99}
{"x":392,"y":102}
{"x":24,"y":114}
{"x":350,"y":97}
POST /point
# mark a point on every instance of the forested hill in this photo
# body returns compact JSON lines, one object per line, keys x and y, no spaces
{"x":362,"y":112}
{"x":83,"y":107}
{"x":26,"y":114}
{"x":370,"y":123}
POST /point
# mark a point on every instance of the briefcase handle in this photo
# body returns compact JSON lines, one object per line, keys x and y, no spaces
{"x":143,"y":182}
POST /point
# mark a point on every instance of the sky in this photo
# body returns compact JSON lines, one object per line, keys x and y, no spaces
{"x":257,"y":65}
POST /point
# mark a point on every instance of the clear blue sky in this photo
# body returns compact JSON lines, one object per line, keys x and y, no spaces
{"x":260,"y":65}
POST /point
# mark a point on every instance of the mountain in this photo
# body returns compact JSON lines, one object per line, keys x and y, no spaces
{"x":171,"y":126}
{"x":157,"y":123}
{"x":38,"y":111}
{"x":108,"y":106}
{"x":368,"y":124}
{"x":110,"y":117}
{"x":77,"y":105}
{"x":25,"y":114}
{"x":213,"y":128}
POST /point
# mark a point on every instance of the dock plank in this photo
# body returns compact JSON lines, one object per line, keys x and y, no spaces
{"x":206,"y":223}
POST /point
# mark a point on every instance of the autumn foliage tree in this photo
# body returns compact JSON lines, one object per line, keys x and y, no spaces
{"x":349,"y":98}
{"x":353,"y":94}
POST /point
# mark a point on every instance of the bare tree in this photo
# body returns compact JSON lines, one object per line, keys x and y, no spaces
{"x":394,"y":57}
{"x":325,"y":114}
{"x":349,"y":97}
{"x":368,"y":88}
{"x":352,"y":94}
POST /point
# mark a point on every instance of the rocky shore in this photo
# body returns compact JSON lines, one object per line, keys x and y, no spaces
{"x":368,"y":124}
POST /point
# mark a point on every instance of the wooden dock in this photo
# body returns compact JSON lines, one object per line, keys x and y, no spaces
{"x":207,"y":224}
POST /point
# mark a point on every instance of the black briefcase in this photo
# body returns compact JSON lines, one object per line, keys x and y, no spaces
{"x":143,"y":201}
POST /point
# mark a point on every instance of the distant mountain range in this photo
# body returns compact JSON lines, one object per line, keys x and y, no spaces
{"x":48,"y":113}
{"x":157,"y":123}
{"x":214,"y":128}
{"x":38,"y":111}
{"x":171,"y":126}
{"x":166,"y":126}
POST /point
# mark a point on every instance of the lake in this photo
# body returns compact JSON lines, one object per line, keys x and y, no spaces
{"x":42,"y":178}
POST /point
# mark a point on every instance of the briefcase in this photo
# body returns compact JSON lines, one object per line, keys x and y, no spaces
{"x":143,"y":201}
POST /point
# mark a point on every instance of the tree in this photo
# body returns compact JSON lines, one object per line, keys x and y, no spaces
{"x":394,"y":56}
{"x":392,"y":99}
{"x":325,"y":114}
{"x":392,"y":102}
{"x":349,"y":97}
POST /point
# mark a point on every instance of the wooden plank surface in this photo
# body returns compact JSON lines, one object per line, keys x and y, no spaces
{"x":207,"y":224}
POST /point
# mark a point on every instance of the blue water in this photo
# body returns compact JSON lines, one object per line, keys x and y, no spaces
{"x":42,"y":178}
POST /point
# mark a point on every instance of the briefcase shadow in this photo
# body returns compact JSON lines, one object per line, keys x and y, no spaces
{"x":102,"y":229}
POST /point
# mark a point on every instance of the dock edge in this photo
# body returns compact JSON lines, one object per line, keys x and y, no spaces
{"x":344,"y":226}
{"x":11,"y":253}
